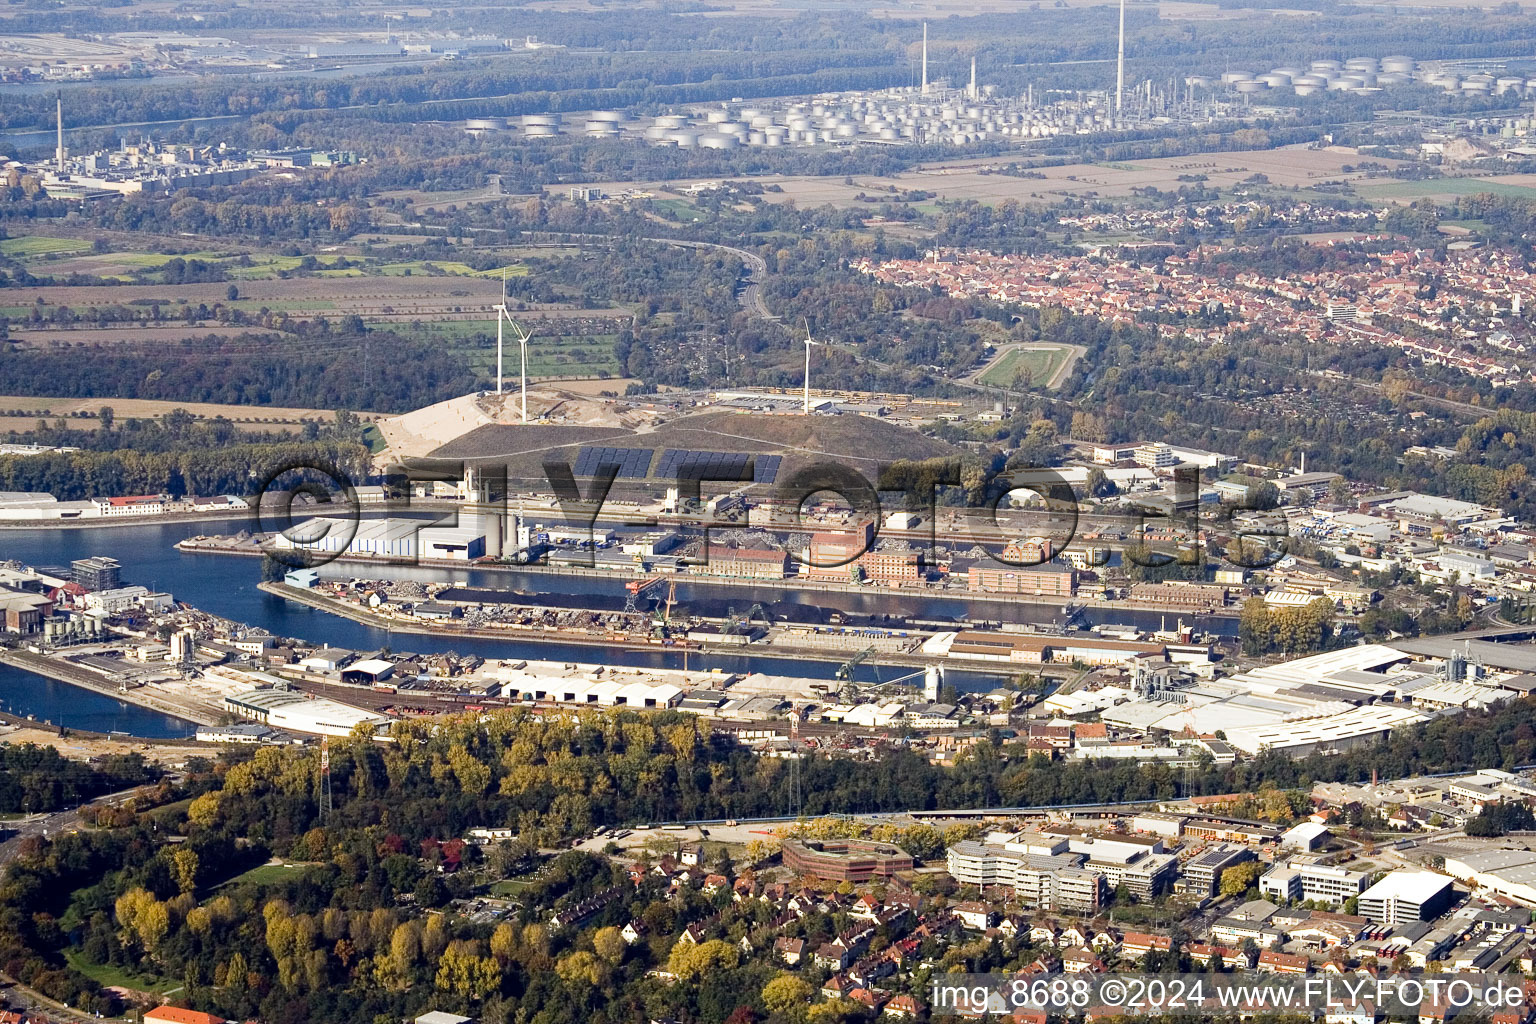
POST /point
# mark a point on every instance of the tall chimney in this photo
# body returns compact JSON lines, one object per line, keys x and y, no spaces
{"x":58,"y":153}
{"x":972,"y":90}
{"x":1120,"y":65}
{"x":925,"y":58}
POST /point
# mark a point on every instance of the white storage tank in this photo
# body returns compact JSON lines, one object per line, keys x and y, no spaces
{"x":1398,"y":64}
{"x":541,"y":131}
{"x":1249,"y":87}
{"x":541,"y":120}
{"x":718,"y":140}
{"x":671,"y":121}
{"x":1306,"y":85}
{"x":1233,"y":77}
{"x":683,"y":138}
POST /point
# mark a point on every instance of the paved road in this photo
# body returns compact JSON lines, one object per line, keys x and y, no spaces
{"x":53,"y":824}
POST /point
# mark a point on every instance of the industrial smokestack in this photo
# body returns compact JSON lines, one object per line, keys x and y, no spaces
{"x":1120,"y":65}
{"x":925,"y":59}
{"x":971,"y":92}
{"x":58,"y":153}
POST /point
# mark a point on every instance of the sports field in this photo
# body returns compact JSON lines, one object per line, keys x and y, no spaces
{"x":1044,"y":364}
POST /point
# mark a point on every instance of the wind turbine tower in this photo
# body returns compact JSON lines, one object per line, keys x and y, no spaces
{"x":925,"y":58}
{"x":808,"y":343}
{"x":504,"y":317}
{"x":1120,"y":65}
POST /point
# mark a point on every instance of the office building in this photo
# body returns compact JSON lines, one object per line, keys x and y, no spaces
{"x":97,"y":573}
{"x":1405,"y":896}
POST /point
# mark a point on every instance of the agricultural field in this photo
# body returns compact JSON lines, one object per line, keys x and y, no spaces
{"x":39,"y":246}
{"x":1045,"y":365}
{"x":81,"y":413}
{"x":1519,"y":186}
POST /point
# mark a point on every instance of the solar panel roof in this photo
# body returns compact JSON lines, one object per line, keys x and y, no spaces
{"x":686,"y":463}
{"x":633,"y":463}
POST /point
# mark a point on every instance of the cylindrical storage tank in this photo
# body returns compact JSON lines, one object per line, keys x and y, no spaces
{"x":1346,"y":83}
{"x":602,"y":129}
{"x":888,"y":134}
{"x":756,"y":139}
{"x":683,"y":138}
{"x":845,"y":131}
{"x":798,"y":124}
{"x":1362,"y":64}
{"x":717,"y":116}
{"x":541,"y":131}
{"x":1249,"y":87}
{"x":1476,"y":87}
{"x":1233,"y":77}
{"x":655,"y":133}
{"x":1398,"y":63}
{"x":612,"y":116}
{"x":1274,"y":81}
{"x":774,"y":140}
{"x":1504,"y":85}
{"x":1306,"y":85}
{"x":748,"y":113}
{"x":1325,"y":65}
{"x":761,"y":120}
{"x":540,"y":120}
{"x":671,"y":121}
{"x":483,"y":124}
{"x":1392,"y":78}
{"x":718,"y":140}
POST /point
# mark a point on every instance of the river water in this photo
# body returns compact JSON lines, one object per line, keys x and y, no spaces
{"x":227,"y":586}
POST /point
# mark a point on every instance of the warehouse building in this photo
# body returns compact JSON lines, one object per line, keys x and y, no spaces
{"x":1510,"y":874}
{"x":1039,"y":581}
{"x":300,"y":712}
{"x":1036,"y":649}
{"x":752,"y":563}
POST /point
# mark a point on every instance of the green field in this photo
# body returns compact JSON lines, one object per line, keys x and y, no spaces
{"x":682,"y":209}
{"x":124,"y":977}
{"x":1441,"y":187}
{"x":510,"y":887}
{"x":1041,"y":364}
{"x":267,"y":874}
{"x":33,"y":246}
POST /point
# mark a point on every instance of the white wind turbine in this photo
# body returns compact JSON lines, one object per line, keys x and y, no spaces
{"x":522,"y":343}
{"x":809,"y":341}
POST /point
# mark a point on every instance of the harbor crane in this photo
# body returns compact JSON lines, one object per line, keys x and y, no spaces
{"x":845,"y":672}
